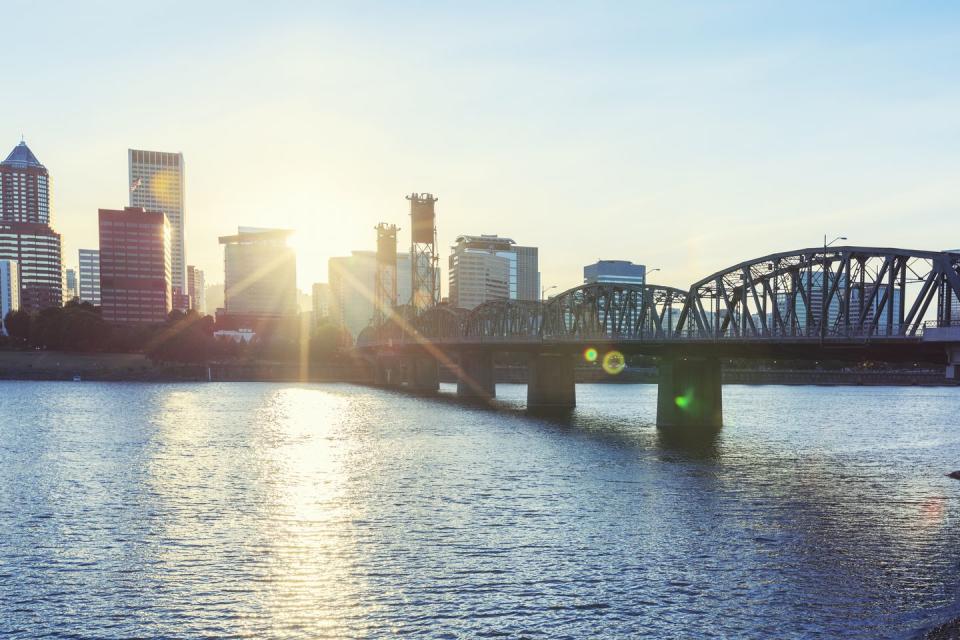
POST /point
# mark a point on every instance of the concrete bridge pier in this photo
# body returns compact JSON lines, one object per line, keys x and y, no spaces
{"x":550,"y":383}
{"x":379,"y":374}
{"x":476,"y":380}
{"x":953,"y":362}
{"x":689,"y":393}
{"x":422,"y":373}
{"x":387,"y":372}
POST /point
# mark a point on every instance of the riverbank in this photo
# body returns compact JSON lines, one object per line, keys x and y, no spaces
{"x":134,"y":367}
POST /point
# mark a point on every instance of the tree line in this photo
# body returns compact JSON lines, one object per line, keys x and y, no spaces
{"x":184,"y":337}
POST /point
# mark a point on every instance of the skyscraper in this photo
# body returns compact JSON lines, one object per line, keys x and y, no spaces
{"x":71,"y":289}
{"x":320,"y":299}
{"x":488,"y":267}
{"x":195,"y":289}
{"x":951,"y":313}
{"x":157,"y":184}
{"x":90,"y":276}
{"x":615,"y":271}
{"x":260,"y":273}
{"x":134,"y":266}
{"x":9,"y":289}
{"x":24,"y":188}
{"x":351,"y":289}
{"x":25,"y":232}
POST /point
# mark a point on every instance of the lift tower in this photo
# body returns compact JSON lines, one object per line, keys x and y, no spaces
{"x":424,"y":289}
{"x":385,"y":276}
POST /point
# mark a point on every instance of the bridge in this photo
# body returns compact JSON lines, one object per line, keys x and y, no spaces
{"x":838,"y":303}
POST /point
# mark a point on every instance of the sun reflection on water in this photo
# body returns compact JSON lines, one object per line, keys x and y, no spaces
{"x":302,"y":449}
{"x":283,"y":502}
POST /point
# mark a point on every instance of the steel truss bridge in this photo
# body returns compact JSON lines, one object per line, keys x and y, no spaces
{"x":841,"y":302}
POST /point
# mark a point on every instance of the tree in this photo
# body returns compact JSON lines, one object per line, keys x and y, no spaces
{"x":17,"y":324}
{"x":83,"y":328}
{"x":184,"y":337}
{"x":46,"y":330}
{"x":327,"y":340}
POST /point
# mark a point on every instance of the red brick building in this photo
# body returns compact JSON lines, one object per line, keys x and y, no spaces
{"x":134,"y":266}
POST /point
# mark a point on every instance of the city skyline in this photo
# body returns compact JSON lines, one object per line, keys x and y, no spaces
{"x":716,"y":129}
{"x":592,"y":320}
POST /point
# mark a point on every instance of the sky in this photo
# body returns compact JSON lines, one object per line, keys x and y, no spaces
{"x":684,"y":136}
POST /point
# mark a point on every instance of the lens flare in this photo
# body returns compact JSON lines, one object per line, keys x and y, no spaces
{"x":590,"y":355}
{"x":614,"y":362}
{"x":684,"y":401}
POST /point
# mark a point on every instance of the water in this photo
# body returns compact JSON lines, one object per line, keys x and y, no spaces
{"x":304,"y":511}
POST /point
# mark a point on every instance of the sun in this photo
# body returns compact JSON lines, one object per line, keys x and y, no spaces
{"x":311,"y":264}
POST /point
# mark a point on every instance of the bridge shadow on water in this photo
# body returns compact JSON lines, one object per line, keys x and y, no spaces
{"x":687,"y":443}
{"x":617,"y":431}
{"x":830,"y":512}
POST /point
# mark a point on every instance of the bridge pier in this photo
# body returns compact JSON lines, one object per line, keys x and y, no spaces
{"x":550,"y":382}
{"x":422,"y":373}
{"x":476,"y":379}
{"x":953,"y":362}
{"x":689,"y":393}
{"x":387,"y":372}
{"x":379,"y":374}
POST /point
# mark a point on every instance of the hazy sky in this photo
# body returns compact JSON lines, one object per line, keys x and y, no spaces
{"x":687,"y":136}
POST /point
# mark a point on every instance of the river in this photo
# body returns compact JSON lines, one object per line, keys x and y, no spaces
{"x":304,"y":511}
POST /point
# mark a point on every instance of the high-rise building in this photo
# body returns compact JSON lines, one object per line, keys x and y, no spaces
{"x":832,"y":317}
{"x":25,"y":232}
{"x":320,"y":299}
{"x":488,"y":267}
{"x":90,"y":276}
{"x":872,"y":312}
{"x":157,"y":184}
{"x":24,"y":188}
{"x":951,"y":301}
{"x":196,"y":289}
{"x":134,"y":266}
{"x":71,"y":290}
{"x":528,"y":273}
{"x":352,"y":289}
{"x":260,"y":273}
{"x":615,"y":271}
{"x":9,"y":290}
{"x":352,"y":284}
{"x":213,"y":297}
{"x":36,"y":248}
{"x":181,"y":300}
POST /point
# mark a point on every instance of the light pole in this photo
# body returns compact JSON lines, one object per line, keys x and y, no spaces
{"x":649,"y":271}
{"x":823,"y":287}
{"x":543,"y":291}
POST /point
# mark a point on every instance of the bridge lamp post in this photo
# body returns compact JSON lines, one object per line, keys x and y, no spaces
{"x":543,"y":291}
{"x":823,"y":287}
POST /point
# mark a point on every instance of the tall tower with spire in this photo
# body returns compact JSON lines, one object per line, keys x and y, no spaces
{"x":25,"y":232}
{"x":24,"y":187}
